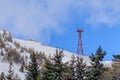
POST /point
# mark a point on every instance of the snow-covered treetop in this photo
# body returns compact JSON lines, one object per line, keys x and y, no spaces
{"x":5,"y":35}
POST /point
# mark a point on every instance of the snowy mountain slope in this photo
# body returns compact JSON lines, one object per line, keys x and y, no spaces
{"x":51,"y":51}
{"x":7,"y":45}
{"x":46,"y":49}
{"x":9,"y":42}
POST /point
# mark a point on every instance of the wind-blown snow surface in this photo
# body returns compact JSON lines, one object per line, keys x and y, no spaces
{"x":41,"y":48}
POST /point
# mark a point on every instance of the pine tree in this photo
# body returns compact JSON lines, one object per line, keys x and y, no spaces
{"x":66,"y":75}
{"x":33,"y":69}
{"x":47,"y":70}
{"x":59,"y":66}
{"x":22,"y":64}
{"x":1,"y":53}
{"x":97,"y":67}
{"x":80,"y":69}
{"x":72,"y":71}
{"x":10,"y":75}
{"x":41,"y":57}
{"x":2,"y":77}
{"x":54,"y":68}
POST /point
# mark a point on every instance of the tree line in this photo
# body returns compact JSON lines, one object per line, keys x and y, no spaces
{"x":54,"y":68}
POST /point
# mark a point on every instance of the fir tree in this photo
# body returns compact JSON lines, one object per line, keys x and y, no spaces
{"x":72,"y":71}
{"x":47,"y":70}
{"x":97,"y":67}
{"x":33,"y":69}
{"x":10,"y":75}
{"x":2,"y":77}
{"x":41,"y":57}
{"x":54,"y":69}
{"x":1,"y":53}
{"x":59,"y":66}
{"x":22,"y":64}
{"x":66,"y":74}
{"x":80,"y":69}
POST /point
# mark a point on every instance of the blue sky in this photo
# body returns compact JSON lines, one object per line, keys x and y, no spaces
{"x":54,"y":23}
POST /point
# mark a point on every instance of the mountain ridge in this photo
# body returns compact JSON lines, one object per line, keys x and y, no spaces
{"x":20,"y":48}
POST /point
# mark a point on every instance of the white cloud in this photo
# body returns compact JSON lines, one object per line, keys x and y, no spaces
{"x":33,"y":18}
{"x":37,"y":19}
{"x":101,"y":12}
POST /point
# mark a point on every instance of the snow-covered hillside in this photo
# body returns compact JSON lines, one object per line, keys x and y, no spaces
{"x":9,"y":42}
{"x":46,"y":49}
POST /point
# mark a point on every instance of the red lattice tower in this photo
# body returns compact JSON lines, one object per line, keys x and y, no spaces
{"x":80,"y":48}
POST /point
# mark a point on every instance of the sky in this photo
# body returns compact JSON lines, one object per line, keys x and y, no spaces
{"x":54,"y":23}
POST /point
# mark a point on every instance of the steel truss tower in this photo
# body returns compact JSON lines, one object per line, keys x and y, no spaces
{"x":80,"y":48}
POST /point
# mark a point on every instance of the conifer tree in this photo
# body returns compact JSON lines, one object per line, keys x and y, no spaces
{"x":97,"y":67}
{"x":59,"y":66}
{"x":41,"y":57}
{"x":66,"y":75}
{"x":10,"y":75}
{"x":2,"y":77}
{"x":54,"y":69}
{"x":1,"y":53}
{"x":72,"y":65}
{"x":47,"y":70}
{"x":22,"y":64}
{"x":33,"y":69}
{"x":80,"y":69}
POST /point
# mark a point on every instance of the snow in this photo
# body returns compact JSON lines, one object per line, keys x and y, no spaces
{"x":40,"y":48}
{"x":107,"y":63}
{"x":51,"y":51}
{"x":4,"y":67}
{"x":47,"y":50}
